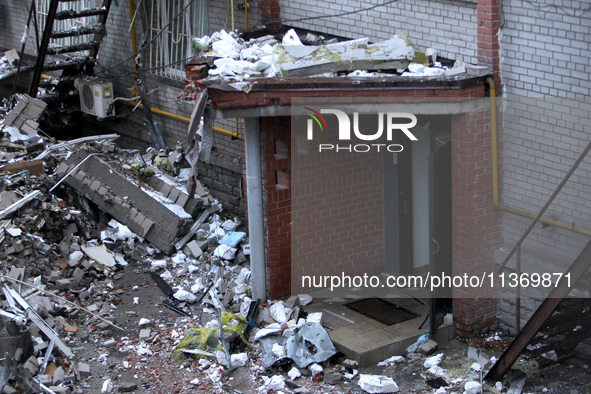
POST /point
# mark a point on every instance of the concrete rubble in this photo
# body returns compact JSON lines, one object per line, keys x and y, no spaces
{"x":93,"y":299}
{"x":226,"y":56}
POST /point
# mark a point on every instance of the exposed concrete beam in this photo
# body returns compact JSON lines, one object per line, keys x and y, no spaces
{"x":426,"y":108}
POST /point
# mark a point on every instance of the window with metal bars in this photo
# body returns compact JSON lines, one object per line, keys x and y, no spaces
{"x":173,"y":24}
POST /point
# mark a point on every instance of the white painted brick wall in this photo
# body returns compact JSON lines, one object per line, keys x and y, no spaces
{"x":446,"y":25}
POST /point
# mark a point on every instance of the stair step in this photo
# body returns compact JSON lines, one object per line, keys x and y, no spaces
{"x":60,"y":65}
{"x":566,"y":321}
{"x":90,"y":29}
{"x":71,"y":14}
{"x":563,"y":341}
{"x":73,"y":48}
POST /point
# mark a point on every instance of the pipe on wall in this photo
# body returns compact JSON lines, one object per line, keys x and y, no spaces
{"x":256,"y":225}
{"x":495,"y":173}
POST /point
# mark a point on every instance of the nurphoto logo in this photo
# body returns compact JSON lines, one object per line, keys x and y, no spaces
{"x":349,"y":131}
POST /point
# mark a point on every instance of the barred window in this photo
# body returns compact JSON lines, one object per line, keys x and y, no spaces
{"x":179,"y":21}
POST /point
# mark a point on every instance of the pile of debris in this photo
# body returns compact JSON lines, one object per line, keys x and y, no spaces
{"x":9,"y":63}
{"x":239,"y":62}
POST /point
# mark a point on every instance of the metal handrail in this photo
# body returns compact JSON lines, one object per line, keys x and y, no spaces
{"x":546,"y":206}
{"x":517,"y":246}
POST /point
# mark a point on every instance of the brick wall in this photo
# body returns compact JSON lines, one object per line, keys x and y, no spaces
{"x":446,"y":25}
{"x":545,"y":57}
{"x":475,"y":222}
{"x":337,"y":209}
{"x":545,"y":48}
{"x":277,"y":204}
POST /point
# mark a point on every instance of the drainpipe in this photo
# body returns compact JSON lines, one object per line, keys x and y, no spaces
{"x":256,"y":227}
{"x":136,"y":103}
{"x":495,"y":173}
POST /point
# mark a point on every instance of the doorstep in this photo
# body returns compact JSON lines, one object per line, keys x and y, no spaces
{"x":368,"y":341}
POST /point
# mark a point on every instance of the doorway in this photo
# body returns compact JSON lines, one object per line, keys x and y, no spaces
{"x":417,"y":208}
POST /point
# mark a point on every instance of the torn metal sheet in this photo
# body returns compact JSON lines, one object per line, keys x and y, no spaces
{"x":194,"y":228}
{"x":192,"y":153}
{"x":23,"y":201}
{"x":48,"y":352}
{"x":267,"y":343}
{"x":42,"y":324}
{"x":73,"y":143}
{"x":310,"y":344}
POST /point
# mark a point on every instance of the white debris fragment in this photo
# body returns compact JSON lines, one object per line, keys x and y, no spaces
{"x":166,"y":275}
{"x":476,"y":367}
{"x":144,"y":350}
{"x":269,"y":330}
{"x":143,"y":321}
{"x":315,"y":369}
{"x":377,"y":384}
{"x":391,"y":360}
{"x":294,"y":373}
{"x":198,"y":286}
{"x":107,"y":386}
{"x":274,"y":383}
{"x":225,"y":252}
{"x":239,"y":359}
{"x":179,"y":258}
{"x":136,"y":300}
{"x":291,"y":38}
{"x":278,"y":313}
{"x":314,"y":317}
{"x":226,"y":46}
{"x":351,"y":375}
{"x":499,"y":386}
{"x":433,"y":361}
{"x":278,"y":350}
{"x":194,"y":382}
{"x":436,"y":370}
{"x":185,"y":296}
{"x":76,"y":256}
{"x":304,"y":299}
{"x":204,"y":363}
{"x":158,"y":264}
{"x":472,"y":388}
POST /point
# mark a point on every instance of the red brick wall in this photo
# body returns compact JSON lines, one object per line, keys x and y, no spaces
{"x":338,"y":211}
{"x":275,"y":136}
{"x":270,"y":13}
{"x":475,"y":222}
{"x":489,"y":22}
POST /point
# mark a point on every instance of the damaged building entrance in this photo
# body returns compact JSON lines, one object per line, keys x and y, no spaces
{"x":417,"y":209}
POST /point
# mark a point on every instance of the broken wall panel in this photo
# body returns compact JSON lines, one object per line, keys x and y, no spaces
{"x":137,"y":208}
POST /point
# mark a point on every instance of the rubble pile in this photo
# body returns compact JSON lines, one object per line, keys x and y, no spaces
{"x":227,"y":57}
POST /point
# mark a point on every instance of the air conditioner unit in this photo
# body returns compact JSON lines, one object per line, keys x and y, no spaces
{"x":95,"y":97}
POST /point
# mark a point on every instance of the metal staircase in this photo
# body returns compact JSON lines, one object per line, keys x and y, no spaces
{"x":559,"y":323}
{"x":82,"y":53}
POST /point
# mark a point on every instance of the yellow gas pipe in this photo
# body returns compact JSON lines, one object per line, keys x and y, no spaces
{"x":158,"y":110}
{"x":495,"y":173}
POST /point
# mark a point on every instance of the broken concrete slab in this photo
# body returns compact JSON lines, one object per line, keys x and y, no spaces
{"x":26,"y":108}
{"x":428,"y":347}
{"x":158,"y":220}
{"x":298,"y":60}
{"x":377,"y":384}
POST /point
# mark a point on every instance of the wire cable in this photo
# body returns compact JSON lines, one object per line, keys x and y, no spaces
{"x":336,"y":15}
{"x":162,"y":30}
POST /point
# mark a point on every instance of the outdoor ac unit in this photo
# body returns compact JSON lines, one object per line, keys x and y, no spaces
{"x":96,"y":97}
